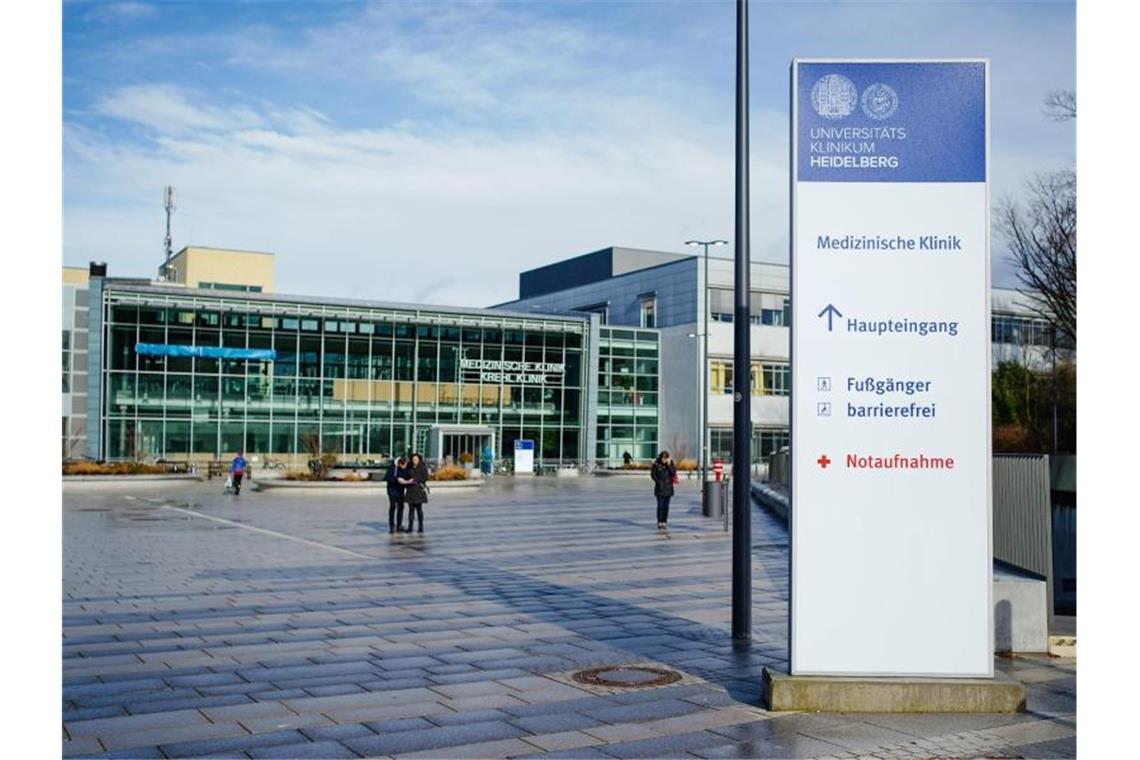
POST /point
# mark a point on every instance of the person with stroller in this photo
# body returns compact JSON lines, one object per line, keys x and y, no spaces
{"x":238,"y":468}
{"x":397,"y":470}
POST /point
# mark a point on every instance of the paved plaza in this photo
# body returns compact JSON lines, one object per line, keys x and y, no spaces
{"x":283,"y":624}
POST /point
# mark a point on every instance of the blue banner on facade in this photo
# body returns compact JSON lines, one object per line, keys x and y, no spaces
{"x":205,"y":352}
{"x":891,"y":122}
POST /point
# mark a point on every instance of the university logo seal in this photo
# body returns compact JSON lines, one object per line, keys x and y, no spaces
{"x":834,"y":96}
{"x":880,"y":101}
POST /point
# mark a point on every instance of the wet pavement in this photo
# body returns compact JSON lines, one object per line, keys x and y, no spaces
{"x":292,"y":624}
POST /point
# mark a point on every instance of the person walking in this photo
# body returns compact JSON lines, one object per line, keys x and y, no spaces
{"x":238,"y":469}
{"x":664,"y":474}
{"x":396,"y":470}
{"x":415,"y":490}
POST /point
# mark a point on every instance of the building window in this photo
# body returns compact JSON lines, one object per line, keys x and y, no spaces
{"x":1020,"y":331}
{"x":774,"y":317}
{"x":720,"y":376}
{"x":229,"y":286}
{"x":774,"y":379}
{"x":768,"y":378}
{"x":765,"y":442}
{"x":67,"y":361}
{"x":601,"y":309}
{"x":649,"y":311}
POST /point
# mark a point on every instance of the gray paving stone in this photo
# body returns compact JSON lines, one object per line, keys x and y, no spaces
{"x":664,"y":746}
{"x":337,"y":732}
{"x":231,"y":744}
{"x":516,"y":580}
{"x":556,"y":722}
{"x":661,"y":708}
{"x":450,"y":736}
{"x":322,"y":749}
{"x":399,"y":724}
{"x":470,"y":716}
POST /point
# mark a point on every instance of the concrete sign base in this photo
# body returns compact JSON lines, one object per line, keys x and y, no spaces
{"x":1000,"y":694}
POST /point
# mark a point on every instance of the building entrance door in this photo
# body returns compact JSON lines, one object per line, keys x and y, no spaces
{"x":460,"y":443}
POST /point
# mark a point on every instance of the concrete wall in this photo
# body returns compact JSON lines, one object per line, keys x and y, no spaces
{"x":679,"y":405}
{"x":1021,"y":619}
{"x":74,"y":407}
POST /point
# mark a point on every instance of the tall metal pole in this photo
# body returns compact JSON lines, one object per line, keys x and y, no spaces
{"x":742,"y":359}
{"x":705,"y":384}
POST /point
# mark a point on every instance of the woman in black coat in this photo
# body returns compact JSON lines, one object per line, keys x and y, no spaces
{"x":397,"y":470}
{"x":415,"y":490}
{"x":663,"y":472}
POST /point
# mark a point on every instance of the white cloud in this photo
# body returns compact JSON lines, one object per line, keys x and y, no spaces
{"x":512,"y":140}
{"x":169,"y":109}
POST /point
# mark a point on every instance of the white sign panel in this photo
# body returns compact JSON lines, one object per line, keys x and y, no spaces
{"x":891,"y":547}
{"x":524,"y":457}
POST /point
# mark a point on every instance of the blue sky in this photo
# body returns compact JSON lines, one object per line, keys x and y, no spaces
{"x":428,"y":151}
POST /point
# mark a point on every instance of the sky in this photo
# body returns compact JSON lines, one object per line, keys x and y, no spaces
{"x":430,"y":151}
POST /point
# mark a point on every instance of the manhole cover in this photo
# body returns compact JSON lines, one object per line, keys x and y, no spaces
{"x":630,"y":676}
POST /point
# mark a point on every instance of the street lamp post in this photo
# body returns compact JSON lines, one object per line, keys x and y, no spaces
{"x":703,"y":385}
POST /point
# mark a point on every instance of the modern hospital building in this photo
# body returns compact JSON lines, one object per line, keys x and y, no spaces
{"x":601,"y":355}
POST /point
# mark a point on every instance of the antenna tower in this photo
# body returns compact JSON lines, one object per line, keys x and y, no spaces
{"x":168,"y":204}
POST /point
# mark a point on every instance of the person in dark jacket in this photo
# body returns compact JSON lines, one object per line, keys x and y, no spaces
{"x":396,"y":470}
{"x":663,"y":473}
{"x":415,"y":490}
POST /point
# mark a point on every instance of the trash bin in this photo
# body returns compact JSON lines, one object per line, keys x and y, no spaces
{"x":715,"y":496}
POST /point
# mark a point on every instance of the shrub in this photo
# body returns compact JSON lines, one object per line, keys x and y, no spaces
{"x":638,"y":466}
{"x":112,"y":468}
{"x":297,"y":475}
{"x":352,"y":477}
{"x":466,"y":457}
{"x":450,"y":472}
{"x":687,"y":465}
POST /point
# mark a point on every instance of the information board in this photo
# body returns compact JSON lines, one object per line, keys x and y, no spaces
{"x":524,"y":457}
{"x":891,"y":567}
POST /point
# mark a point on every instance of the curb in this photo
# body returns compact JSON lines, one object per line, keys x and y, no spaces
{"x":130,"y":478}
{"x":365,"y":485}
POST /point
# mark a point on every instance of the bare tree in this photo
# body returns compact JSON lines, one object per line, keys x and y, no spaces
{"x":1042,"y":239}
{"x":1061,"y":105}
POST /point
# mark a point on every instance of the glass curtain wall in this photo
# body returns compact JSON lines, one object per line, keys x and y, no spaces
{"x":628,"y":371}
{"x":363,"y":383}
{"x":765,"y":442}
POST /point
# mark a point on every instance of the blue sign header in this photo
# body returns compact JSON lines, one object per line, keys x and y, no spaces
{"x":891,"y":122}
{"x":205,"y":352}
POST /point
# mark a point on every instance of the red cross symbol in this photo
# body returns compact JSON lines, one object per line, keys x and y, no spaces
{"x":823,"y":461}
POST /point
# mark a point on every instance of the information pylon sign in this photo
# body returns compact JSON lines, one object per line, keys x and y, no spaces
{"x":891,"y":567}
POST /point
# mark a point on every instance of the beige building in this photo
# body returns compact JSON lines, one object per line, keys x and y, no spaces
{"x":76,"y":276}
{"x":223,"y":269}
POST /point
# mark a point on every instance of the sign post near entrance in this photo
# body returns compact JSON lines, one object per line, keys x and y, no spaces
{"x":891,"y":565}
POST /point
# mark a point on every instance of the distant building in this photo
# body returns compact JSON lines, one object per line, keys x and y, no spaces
{"x":667,"y":291}
{"x":601,"y":358}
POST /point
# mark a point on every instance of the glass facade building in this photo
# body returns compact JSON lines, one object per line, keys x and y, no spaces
{"x":201,"y":374}
{"x":628,"y":394}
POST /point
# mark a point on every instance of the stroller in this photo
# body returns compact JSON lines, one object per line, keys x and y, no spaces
{"x":233,"y":485}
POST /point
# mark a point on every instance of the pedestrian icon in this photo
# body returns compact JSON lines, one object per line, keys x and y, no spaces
{"x":823,"y":384}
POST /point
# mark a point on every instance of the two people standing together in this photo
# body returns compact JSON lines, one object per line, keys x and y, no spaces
{"x":407,"y":483}
{"x":664,"y":474}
